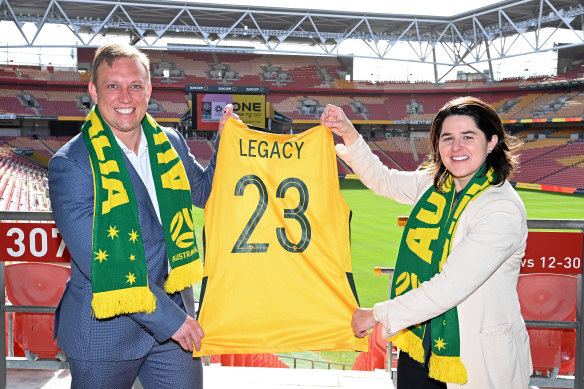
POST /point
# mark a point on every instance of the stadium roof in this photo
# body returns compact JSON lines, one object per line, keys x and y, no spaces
{"x":501,"y":30}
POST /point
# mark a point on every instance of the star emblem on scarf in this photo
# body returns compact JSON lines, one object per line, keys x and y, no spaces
{"x":131,"y":278}
{"x":112,"y":232}
{"x":132,"y":257}
{"x":440,"y":344}
{"x":133,"y":236}
{"x":101,"y":255}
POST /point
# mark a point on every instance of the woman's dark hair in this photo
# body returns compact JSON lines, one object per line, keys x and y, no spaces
{"x":503,"y":158}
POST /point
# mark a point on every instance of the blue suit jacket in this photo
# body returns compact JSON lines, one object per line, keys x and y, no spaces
{"x":123,"y":337}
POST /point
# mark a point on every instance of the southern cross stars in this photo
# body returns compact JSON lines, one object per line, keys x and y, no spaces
{"x":440,"y":344}
{"x":101,"y":255}
{"x":112,"y":232}
{"x":133,"y":236}
{"x":131,"y":278}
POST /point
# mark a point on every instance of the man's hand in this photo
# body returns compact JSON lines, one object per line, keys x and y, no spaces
{"x":190,"y":333}
{"x":227,"y":113}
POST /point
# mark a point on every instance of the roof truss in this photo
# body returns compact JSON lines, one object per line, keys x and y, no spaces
{"x":506,"y":29}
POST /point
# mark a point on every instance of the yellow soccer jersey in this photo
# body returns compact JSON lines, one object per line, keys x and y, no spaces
{"x":277,"y":274}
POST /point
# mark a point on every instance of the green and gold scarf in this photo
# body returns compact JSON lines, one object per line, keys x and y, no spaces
{"x":425,"y":245}
{"x":118,"y":271}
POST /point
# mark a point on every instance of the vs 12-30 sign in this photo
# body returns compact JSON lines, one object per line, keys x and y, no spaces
{"x":36,"y":242}
{"x":553,"y":252}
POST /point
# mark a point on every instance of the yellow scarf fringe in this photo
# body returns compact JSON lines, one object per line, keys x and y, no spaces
{"x":122,"y":301}
{"x":447,"y":369}
{"x":405,"y":340}
{"x":183,"y":276}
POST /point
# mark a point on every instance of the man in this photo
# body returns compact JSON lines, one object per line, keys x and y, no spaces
{"x":121,"y":194}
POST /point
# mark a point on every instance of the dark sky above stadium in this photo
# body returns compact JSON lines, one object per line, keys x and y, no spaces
{"x":412,"y":7}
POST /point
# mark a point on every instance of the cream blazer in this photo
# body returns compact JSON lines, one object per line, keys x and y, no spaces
{"x":479,"y":276}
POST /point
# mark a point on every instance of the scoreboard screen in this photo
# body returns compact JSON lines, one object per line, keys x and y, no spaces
{"x":250,"y":108}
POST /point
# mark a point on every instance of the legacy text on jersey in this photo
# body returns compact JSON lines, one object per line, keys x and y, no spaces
{"x":253,"y":149}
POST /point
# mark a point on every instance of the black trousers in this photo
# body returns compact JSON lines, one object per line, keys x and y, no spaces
{"x":412,"y":374}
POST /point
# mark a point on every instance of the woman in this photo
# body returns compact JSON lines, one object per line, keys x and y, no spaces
{"x":454,"y":311}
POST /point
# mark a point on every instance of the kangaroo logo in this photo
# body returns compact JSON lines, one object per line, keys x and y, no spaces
{"x":183,"y":237}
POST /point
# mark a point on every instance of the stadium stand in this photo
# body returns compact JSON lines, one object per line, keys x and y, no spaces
{"x":54,"y":143}
{"x":571,"y":162}
{"x":66,"y":75}
{"x":400,"y":151}
{"x":575,"y":73}
{"x":244,"y":68}
{"x":302,"y":71}
{"x":202,"y":150}
{"x":32,"y":73}
{"x":26,"y":143}
{"x":383,"y":157}
{"x":7,"y":72}
{"x":190,"y":67}
{"x":538,"y":159}
{"x":9,"y":101}
{"x":167,"y":103}
{"x":32,"y":91}
{"x":23,"y":185}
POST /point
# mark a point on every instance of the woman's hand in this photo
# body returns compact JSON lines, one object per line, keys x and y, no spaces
{"x":334,"y":118}
{"x":227,"y":113}
{"x":363,"y":320}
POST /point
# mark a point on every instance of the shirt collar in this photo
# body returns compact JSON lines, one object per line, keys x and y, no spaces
{"x":142,"y":147}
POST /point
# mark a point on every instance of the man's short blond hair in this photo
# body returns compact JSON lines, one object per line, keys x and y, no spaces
{"x":110,"y":52}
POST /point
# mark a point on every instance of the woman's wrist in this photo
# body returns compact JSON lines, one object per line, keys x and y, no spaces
{"x":350,"y":137}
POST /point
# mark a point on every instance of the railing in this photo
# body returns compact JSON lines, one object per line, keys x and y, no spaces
{"x":59,"y":256}
{"x":578,"y":325}
{"x":328,"y":364}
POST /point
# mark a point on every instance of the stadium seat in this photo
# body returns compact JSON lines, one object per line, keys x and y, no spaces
{"x":376,"y":356}
{"x":39,"y":284}
{"x":249,"y":360}
{"x":227,"y":359}
{"x":550,"y":297}
{"x":18,"y":351}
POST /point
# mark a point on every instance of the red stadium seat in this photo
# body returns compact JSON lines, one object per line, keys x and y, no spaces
{"x":40,"y":284}
{"x":18,"y":351}
{"x":249,"y":360}
{"x":550,"y":297}
{"x":376,"y":356}
{"x":215,"y":359}
{"x":227,"y":360}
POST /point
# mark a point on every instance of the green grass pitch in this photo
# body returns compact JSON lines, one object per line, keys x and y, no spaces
{"x":375,"y":236}
{"x":375,"y":239}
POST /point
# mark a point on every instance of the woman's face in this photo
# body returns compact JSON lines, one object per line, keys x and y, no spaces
{"x":463,"y":148}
